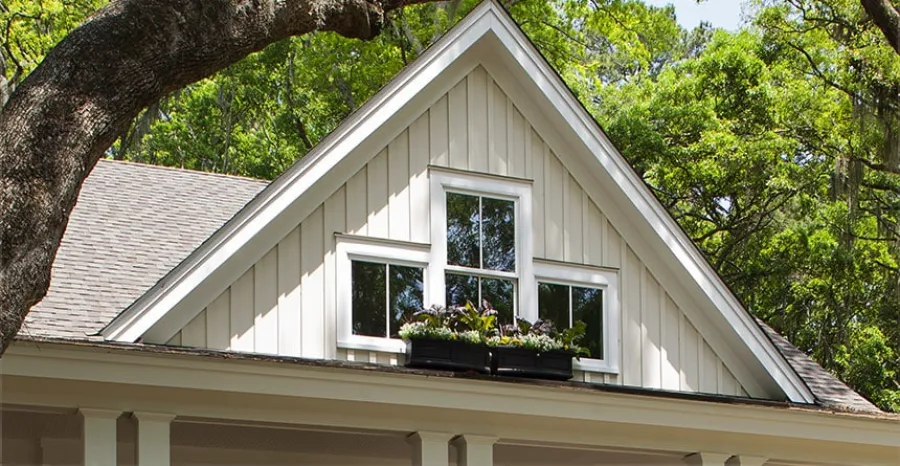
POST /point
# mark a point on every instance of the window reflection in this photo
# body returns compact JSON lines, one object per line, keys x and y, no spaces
{"x":372,"y":284}
{"x":553,"y":304}
{"x":463,"y":230}
{"x":587,"y":306}
{"x":369,"y":300}
{"x":564,"y":305}
{"x":406,"y":295}
{"x":498,"y":219}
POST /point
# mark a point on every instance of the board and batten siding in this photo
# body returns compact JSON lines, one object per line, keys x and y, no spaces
{"x":279,"y":305}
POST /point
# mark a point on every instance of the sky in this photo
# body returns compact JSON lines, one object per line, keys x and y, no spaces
{"x":725,"y":14}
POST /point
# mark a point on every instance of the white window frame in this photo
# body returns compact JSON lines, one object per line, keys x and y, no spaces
{"x":516,"y":190}
{"x":604,"y":279}
{"x":350,"y":248}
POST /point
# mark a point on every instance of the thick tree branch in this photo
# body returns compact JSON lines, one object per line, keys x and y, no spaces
{"x":887,"y":18}
{"x":65,"y":114}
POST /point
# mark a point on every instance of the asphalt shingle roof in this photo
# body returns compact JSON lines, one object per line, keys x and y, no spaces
{"x":133,"y":223}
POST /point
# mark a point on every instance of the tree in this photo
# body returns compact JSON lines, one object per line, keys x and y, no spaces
{"x":128,"y":55}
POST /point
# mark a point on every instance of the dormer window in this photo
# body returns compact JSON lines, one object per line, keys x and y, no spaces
{"x":481,"y":251}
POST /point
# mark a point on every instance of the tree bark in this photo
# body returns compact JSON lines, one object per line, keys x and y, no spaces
{"x":887,"y":18}
{"x":65,"y":114}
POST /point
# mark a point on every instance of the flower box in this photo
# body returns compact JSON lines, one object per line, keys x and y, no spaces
{"x":523,"y":362}
{"x":451,"y":355}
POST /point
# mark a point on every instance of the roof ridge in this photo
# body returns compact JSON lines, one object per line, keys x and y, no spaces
{"x":190,"y":171}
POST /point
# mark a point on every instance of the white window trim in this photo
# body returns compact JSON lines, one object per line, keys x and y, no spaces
{"x":351,"y":248}
{"x":595,"y":277}
{"x":516,"y":190}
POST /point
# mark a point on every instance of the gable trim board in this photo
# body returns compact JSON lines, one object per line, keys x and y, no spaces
{"x":622,"y":195}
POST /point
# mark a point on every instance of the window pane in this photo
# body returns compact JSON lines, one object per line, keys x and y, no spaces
{"x":499,"y":229}
{"x":501,"y":295}
{"x":462,"y":230}
{"x":406,"y":295}
{"x":587,"y":306}
{"x":461,"y":288}
{"x":369,"y":300}
{"x":553,"y":304}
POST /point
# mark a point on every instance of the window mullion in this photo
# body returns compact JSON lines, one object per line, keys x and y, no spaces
{"x":480,"y":234}
{"x":387,"y":300}
{"x":571,"y":308}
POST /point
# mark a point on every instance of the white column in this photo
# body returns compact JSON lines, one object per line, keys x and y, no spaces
{"x":99,"y":434}
{"x":430,"y":448}
{"x":743,"y":460}
{"x":474,"y":450}
{"x":153,"y":439}
{"x":706,"y":459}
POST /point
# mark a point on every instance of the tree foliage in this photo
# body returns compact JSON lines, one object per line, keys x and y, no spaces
{"x":776,"y":147}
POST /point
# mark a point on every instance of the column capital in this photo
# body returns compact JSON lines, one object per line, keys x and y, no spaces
{"x":706,"y":459}
{"x":100,"y":413}
{"x":428,"y":436}
{"x":744,"y":460}
{"x":474,"y":439}
{"x":430,"y":448}
{"x":145,"y":416}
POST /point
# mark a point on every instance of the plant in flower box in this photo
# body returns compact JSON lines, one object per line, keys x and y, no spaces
{"x":536,"y":350}
{"x":448,"y":338}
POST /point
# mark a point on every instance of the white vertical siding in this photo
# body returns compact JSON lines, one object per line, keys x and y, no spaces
{"x":289,"y":294}
{"x":285,"y":304}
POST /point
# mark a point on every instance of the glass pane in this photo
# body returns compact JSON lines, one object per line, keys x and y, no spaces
{"x":406,"y":295}
{"x":461,"y":288}
{"x":369,"y":300}
{"x":553,"y":304}
{"x":587,"y":306}
{"x":462,"y":230}
{"x":499,"y":228}
{"x":501,"y":295}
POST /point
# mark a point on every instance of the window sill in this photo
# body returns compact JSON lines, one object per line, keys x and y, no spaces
{"x":384,"y":345}
{"x":594,"y":365}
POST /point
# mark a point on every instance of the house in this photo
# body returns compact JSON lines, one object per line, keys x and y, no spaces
{"x":205,"y":319}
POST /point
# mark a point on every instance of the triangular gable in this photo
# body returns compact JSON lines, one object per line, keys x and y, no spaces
{"x":489,"y":38}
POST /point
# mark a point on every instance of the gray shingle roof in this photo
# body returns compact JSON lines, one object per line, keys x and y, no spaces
{"x":828,"y":390}
{"x":132,"y":224}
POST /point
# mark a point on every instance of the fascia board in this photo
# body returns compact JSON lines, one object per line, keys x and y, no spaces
{"x":179,"y":371}
{"x":137,"y":319}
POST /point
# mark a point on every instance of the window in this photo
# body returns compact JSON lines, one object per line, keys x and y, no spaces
{"x":481,"y":252}
{"x":568,"y":293}
{"x":380,"y":284}
{"x":384,"y":297}
{"x":566,"y":304}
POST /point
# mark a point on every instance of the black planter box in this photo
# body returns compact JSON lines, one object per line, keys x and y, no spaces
{"x":522,"y":362}
{"x":448,"y":355}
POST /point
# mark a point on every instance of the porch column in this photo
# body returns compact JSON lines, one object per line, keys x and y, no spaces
{"x":153,"y":439}
{"x":474,"y":450}
{"x":429,"y":448}
{"x":743,"y":460}
{"x":706,"y":459}
{"x":99,"y":434}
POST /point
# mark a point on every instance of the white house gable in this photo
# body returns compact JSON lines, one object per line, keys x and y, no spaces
{"x":290,"y":303}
